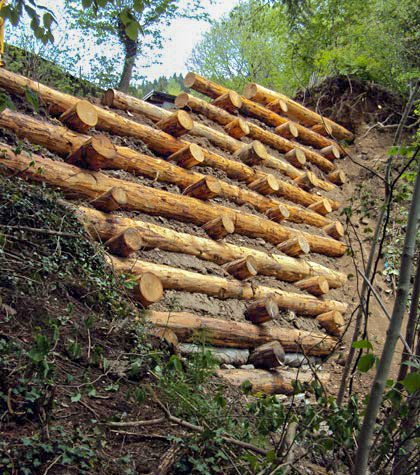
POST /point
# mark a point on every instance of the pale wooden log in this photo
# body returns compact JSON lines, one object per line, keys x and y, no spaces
{"x":307,"y":180}
{"x":187,"y":101}
{"x":282,"y":267}
{"x":219,"y":287}
{"x":278,"y":213}
{"x":297,"y":246}
{"x":232,"y":356}
{"x":230,"y":101}
{"x":252,"y":154}
{"x":331,"y":152}
{"x":269,"y":382}
{"x":176,"y":124}
{"x":265,"y":185}
{"x":149,"y":289}
{"x":188,"y":157}
{"x":226,"y":333}
{"x":295,"y":110}
{"x":93,"y":153}
{"x":296,"y":157}
{"x":314,"y":285}
{"x":81,"y":116}
{"x":154,"y":201}
{"x":220,"y":139}
{"x":278,"y":106}
{"x":333,"y":322}
{"x":335,"y":230}
{"x":125,"y":243}
{"x":113,"y":199}
{"x":322,"y":207}
{"x":322,"y":129}
{"x":159,"y":335}
{"x":204,"y":189}
{"x":287,"y":130}
{"x":243,"y":268}
{"x":267,"y":356}
{"x":219,"y":227}
{"x":338,"y":177}
{"x":238,"y":128}
{"x":262,"y":311}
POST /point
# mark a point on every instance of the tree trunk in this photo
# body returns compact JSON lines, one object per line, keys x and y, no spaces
{"x":131,"y":50}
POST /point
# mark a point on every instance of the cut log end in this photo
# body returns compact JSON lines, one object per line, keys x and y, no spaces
{"x":331,"y":152}
{"x":296,"y":157}
{"x":322,"y":206}
{"x":188,"y":156}
{"x":323,"y":128}
{"x":278,"y":213}
{"x":265,"y":185}
{"x":262,"y":311}
{"x":108,"y":98}
{"x":307,"y":180}
{"x":81,"y":117}
{"x":220,"y":227}
{"x":335,"y":230}
{"x":177,"y":124}
{"x":111,"y":200}
{"x":242,"y":268}
{"x":189,"y":79}
{"x":287,"y":130}
{"x":238,"y":128}
{"x":204,"y":189}
{"x":93,"y":153}
{"x":181,"y":100}
{"x":316,"y":285}
{"x":296,"y":246}
{"x":149,"y":289}
{"x":253,"y":154}
{"x":338,"y":177}
{"x":333,"y":322}
{"x":250,"y":90}
{"x":269,"y":355}
{"x":230,"y":101}
{"x":125,"y":243}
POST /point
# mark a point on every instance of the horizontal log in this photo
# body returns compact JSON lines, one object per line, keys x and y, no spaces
{"x":220,"y":227}
{"x":104,"y":226}
{"x":252,"y":154}
{"x":149,"y":289}
{"x":89,"y":154}
{"x":296,"y":246}
{"x":287,"y":130}
{"x":295,"y":110}
{"x":204,"y":189}
{"x":267,"y":356}
{"x":338,"y":177}
{"x":331,"y":152}
{"x":238,"y":128}
{"x":125,"y":243}
{"x":322,"y":207}
{"x":262,"y":311}
{"x":222,"y":288}
{"x":314,"y":285}
{"x":230,"y":101}
{"x":278,"y":106}
{"x":188,"y":157}
{"x":189,"y":327}
{"x":81,"y":116}
{"x":189,"y":102}
{"x":307,"y":181}
{"x":111,"y":200}
{"x":265,"y":185}
{"x":243,"y":268}
{"x":232,"y":356}
{"x":278,"y":213}
{"x":334,"y":230}
{"x":178,"y":123}
{"x":333,"y":322}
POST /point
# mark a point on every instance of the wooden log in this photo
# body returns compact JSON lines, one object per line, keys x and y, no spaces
{"x":269,"y":382}
{"x":125,"y":243}
{"x":251,"y":154}
{"x":230,"y":101}
{"x":232,"y":356}
{"x":238,"y":128}
{"x":322,"y":129}
{"x":287,"y":130}
{"x":295,"y":110}
{"x":267,"y":356}
{"x":176,"y":124}
{"x":188,"y":157}
{"x":278,"y":106}
{"x":335,"y":230}
{"x":307,"y":180}
{"x":282,"y":267}
{"x":219,"y":227}
{"x":204,"y":189}
{"x":314,"y":285}
{"x":331,"y":152}
{"x":187,"y":101}
{"x":265,"y":185}
{"x":113,"y":199}
{"x":333,"y":322}
{"x":297,"y":246}
{"x":219,"y":287}
{"x":159,"y":335}
{"x":278,"y":213}
{"x":262,"y":311}
{"x":81,"y":116}
{"x":149,"y":289}
{"x":322,"y":207}
{"x":296,"y":157}
{"x":243,"y":268}
{"x":226,"y":333}
{"x":338,"y":177}
{"x":93,"y":153}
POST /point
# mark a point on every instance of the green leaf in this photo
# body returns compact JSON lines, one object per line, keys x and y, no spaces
{"x":138,"y":5}
{"x":132,"y":30}
{"x":86,"y":3}
{"x":366,"y":362}
{"x":412,"y":382}
{"x":76,"y":397}
{"x":175,"y":363}
{"x":362,"y":344}
{"x":32,"y":98}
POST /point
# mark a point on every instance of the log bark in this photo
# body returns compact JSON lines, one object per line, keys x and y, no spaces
{"x":262,"y":311}
{"x":269,"y":382}
{"x":331,"y":152}
{"x":267,"y":356}
{"x":238,"y":128}
{"x":232,"y":356}
{"x":314,"y":285}
{"x":104,"y":226}
{"x":297,"y":246}
{"x":243,"y":268}
{"x":188,"y":327}
{"x":81,"y":116}
{"x":93,"y":153}
{"x":287,"y":130}
{"x":265,"y":185}
{"x":125,"y":243}
{"x":188,"y":157}
{"x":334,"y":230}
{"x":322,"y":207}
{"x":295,"y":110}
{"x":149,"y":289}
{"x":333,"y":322}
{"x":296,"y":157}
{"x":176,"y":124}
{"x":323,"y":129}
{"x":219,"y":287}
{"x":230,"y":101}
{"x":251,"y":154}
{"x":278,"y":213}
{"x":113,"y":199}
{"x":205,"y":189}
{"x":338,"y":177}
{"x":220,"y":227}
{"x":189,"y":102}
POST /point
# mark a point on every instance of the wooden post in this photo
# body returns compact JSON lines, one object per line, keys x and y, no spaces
{"x":287,"y":130}
{"x":296,"y":157}
{"x":220,"y":227}
{"x":149,"y":289}
{"x":322,"y":207}
{"x":269,"y":355}
{"x":204,"y":189}
{"x":238,"y":128}
{"x":297,"y":246}
{"x":125,"y":243}
{"x":189,"y":156}
{"x":93,"y":153}
{"x":335,"y":230}
{"x":278,"y":106}
{"x":229,"y":101}
{"x":113,"y":199}
{"x":333,"y":322}
{"x":177,"y":124}
{"x":278,"y":213}
{"x":262,"y":311}
{"x":82,"y":116}
{"x":314,"y":285}
{"x":338,"y":177}
{"x":307,"y":180}
{"x":252,"y":154}
{"x":331,"y":152}
{"x":265,"y":185}
{"x":242,"y":268}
